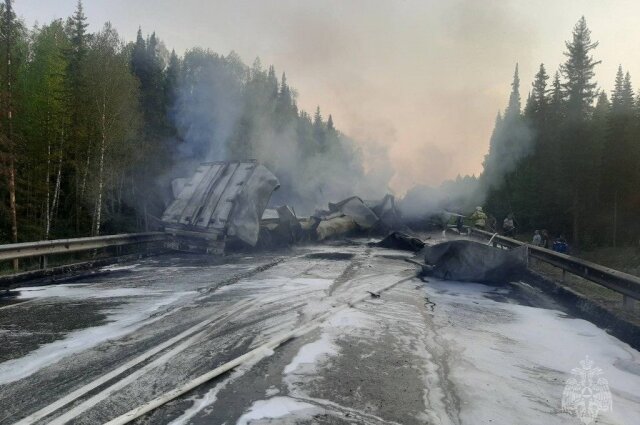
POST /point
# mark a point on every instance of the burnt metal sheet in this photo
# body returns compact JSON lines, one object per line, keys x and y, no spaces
{"x":249,"y":204}
{"x":222,"y":198}
{"x":472,"y":261}
{"x":355,"y":208}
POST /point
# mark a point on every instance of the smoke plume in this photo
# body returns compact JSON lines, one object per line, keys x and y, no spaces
{"x":225,"y":110}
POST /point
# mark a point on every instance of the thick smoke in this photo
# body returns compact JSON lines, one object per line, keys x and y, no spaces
{"x":459,"y":195}
{"x":225,"y":110}
{"x":208,"y":104}
{"x":511,"y":142}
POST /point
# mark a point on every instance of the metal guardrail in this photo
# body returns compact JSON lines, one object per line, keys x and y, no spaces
{"x":62,"y":246}
{"x":623,"y":283}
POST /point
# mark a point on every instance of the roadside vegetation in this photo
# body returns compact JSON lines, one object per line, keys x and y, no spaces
{"x":94,"y":128}
{"x":569,"y":161}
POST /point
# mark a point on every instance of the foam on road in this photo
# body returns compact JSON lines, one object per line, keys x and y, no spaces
{"x":478,"y":361}
{"x":425,"y":352}
{"x":135,"y":308}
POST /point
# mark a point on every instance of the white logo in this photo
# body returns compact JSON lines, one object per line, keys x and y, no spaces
{"x":586,"y":394}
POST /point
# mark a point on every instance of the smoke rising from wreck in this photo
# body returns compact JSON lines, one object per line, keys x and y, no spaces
{"x":208,"y":105}
{"x":511,"y":141}
{"x":225,"y":110}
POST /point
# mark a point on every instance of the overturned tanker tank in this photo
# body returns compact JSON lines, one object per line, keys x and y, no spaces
{"x":471,"y":261}
{"x":221,"y":203}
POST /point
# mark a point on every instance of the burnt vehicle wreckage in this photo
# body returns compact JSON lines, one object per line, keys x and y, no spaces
{"x":222,"y":202}
{"x":223,"y":206}
{"x":356,"y":293}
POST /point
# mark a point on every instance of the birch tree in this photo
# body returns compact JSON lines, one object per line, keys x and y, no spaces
{"x":114,"y":94}
{"x":44,"y":128}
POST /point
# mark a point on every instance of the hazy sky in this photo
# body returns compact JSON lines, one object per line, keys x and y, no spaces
{"x":422,"y":79}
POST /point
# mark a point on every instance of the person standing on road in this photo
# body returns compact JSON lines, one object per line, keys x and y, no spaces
{"x":545,"y":239}
{"x":492,"y":223}
{"x":479,"y":218}
{"x":537,"y":238}
{"x":508,"y":227}
{"x":459,"y":223}
{"x":560,"y":245}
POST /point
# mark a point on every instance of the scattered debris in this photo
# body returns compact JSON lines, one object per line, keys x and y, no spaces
{"x":401,"y":241}
{"x":429,"y":304}
{"x":279,"y":227}
{"x":354,"y":216}
{"x":335,"y":225}
{"x":343,"y":218}
{"x":387,"y":212}
{"x":225,"y":204}
{"x":355,"y":208}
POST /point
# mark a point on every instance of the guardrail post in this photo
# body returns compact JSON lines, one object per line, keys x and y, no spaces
{"x":43,"y":262}
{"x":628,"y":303}
{"x":564,"y":276}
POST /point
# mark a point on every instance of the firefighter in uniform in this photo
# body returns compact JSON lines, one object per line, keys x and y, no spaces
{"x":479,"y":218}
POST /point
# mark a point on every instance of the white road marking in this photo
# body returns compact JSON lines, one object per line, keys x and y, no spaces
{"x":47,"y":410}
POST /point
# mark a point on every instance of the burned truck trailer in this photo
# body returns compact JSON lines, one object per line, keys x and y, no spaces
{"x":222,"y":202}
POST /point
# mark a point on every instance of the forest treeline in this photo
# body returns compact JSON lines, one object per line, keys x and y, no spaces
{"x":569,"y":161}
{"x":93,"y":128}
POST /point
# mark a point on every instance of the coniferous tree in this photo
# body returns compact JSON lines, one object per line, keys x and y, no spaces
{"x":510,"y":143}
{"x":513,"y":108}
{"x":557,"y":96}
{"x":558,"y":202}
{"x":330,"y":126}
{"x":579,"y":73}
{"x":78,"y":147}
{"x":9,"y":32}
{"x":319,"y":131}
{"x":579,"y":172}
{"x":539,"y":95}
{"x":528,"y":106}
{"x":582,"y":171}
{"x":272,"y":82}
{"x":172,"y":75}
{"x":536,"y":169}
{"x":99,"y":127}
{"x":620,"y":156}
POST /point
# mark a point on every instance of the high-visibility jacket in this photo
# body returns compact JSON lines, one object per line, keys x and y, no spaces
{"x":479,"y":218}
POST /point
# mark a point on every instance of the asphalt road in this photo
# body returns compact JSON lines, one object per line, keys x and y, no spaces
{"x":423,"y":352}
